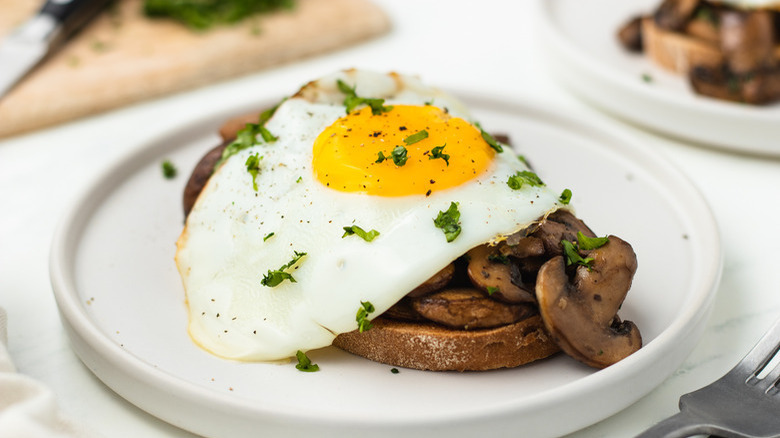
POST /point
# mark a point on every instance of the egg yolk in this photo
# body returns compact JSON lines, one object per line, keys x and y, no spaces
{"x":409,"y":150}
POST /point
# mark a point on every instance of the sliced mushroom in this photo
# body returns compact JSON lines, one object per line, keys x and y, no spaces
{"x":200,"y":175}
{"x":560,"y":225}
{"x":675,"y":14}
{"x":403,"y":311}
{"x":438,"y":281}
{"x":630,"y":35}
{"x":581,"y":314}
{"x":758,"y":89}
{"x":705,"y":25}
{"x":469,"y":309}
{"x":497,"y":276}
{"x":747,"y":40}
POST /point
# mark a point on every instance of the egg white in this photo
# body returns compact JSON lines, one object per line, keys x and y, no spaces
{"x":223,"y":254}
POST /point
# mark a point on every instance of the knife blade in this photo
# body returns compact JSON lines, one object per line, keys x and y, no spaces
{"x":27,"y":45}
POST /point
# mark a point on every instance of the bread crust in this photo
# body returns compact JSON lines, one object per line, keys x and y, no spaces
{"x":427,"y":346}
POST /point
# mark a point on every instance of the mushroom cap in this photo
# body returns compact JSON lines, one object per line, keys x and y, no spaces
{"x":581,"y":313}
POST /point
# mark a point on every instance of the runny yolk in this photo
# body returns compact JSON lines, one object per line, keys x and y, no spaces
{"x":346,"y":155}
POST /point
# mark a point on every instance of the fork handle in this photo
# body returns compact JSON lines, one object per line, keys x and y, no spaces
{"x":680,"y":425}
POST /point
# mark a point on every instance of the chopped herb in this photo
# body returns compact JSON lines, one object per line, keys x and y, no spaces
{"x":489,"y":139}
{"x":588,"y":243}
{"x":499,"y":258}
{"x":572,"y":254}
{"x":352,"y":100}
{"x":253,"y":167}
{"x":523,"y":160}
{"x":168,"y":169}
{"x":394,"y":370}
{"x":428,"y":102}
{"x":304,"y":363}
{"x":447,"y":221}
{"x":356,"y":230}
{"x":647,"y":78}
{"x":417,"y":136}
{"x":268,"y":236}
{"x":380,"y":157}
{"x":247,"y":137}
{"x":274,"y":278}
{"x":203,"y":14}
{"x":365,"y":309}
{"x":399,"y":155}
{"x":516,"y":181}
{"x":436,"y":152}
{"x":492,"y":289}
{"x":300,"y":178}
{"x":565,"y":197}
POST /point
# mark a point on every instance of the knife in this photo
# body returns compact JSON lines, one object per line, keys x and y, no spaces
{"x":27,"y":45}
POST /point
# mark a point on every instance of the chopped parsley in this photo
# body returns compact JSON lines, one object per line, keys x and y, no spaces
{"x":492,"y":289}
{"x":394,"y":370}
{"x":352,"y":101}
{"x":168,"y":169}
{"x":417,"y":136}
{"x":565,"y":197}
{"x":499,"y":258}
{"x":585,"y":243}
{"x":573,"y":257}
{"x":274,"y":278}
{"x":380,"y":157}
{"x":365,"y":309}
{"x":368,"y":236}
{"x":447,"y":222}
{"x":203,"y":14}
{"x":247,"y":137}
{"x":268,"y":236}
{"x":516,"y":181}
{"x":588,"y":243}
{"x":399,"y":155}
{"x":523,"y":160}
{"x":304,"y":363}
{"x":489,"y":139}
{"x":437,"y":153}
{"x":253,"y":167}
{"x":300,"y":178}
{"x":647,"y":78}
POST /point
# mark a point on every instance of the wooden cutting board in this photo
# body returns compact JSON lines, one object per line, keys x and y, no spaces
{"x":123,"y":57}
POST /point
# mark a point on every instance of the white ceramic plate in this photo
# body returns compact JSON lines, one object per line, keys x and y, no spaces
{"x":123,"y":305}
{"x":579,"y":43}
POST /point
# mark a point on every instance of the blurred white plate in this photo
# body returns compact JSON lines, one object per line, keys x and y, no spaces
{"x":579,"y":43}
{"x":123,"y":305}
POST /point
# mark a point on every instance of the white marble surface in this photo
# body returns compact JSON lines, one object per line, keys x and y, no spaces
{"x":457,"y":45}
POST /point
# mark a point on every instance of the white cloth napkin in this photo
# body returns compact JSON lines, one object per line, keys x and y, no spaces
{"x":28,"y":409}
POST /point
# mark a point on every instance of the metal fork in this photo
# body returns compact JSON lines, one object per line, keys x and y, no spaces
{"x":745,"y":403}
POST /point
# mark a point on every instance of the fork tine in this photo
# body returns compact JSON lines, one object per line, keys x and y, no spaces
{"x":774,"y":381}
{"x":761,"y":354}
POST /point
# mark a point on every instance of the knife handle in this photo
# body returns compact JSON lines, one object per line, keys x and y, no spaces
{"x":71,"y":14}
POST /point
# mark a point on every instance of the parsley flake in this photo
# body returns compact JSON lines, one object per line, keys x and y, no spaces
{"x":352,"y":100}
{"x":437,"y":153}
{"x":492,"y":289}
{"x":380,"y":157}
{"x":274,"y":278}
{"x":394,"y":370}
{"x":447,"y":221}
{"x":499,"y":258}
{"x":516,"y":181}
{"x":268,"y":236}
{"x":368,"y":236}
{"x":304,"y":363}
{"x":365,"y":309}
{"x":399,"y":155}
{"x":489,"y":139}
{"x":573,"y":257}
{"x":168,"y":169}
{"x":300,"y":178}
{"x":417,"y":136}
{"x":588,"y":243}
{"x":247,"y":136}
{"x":565,"y":197}
{"x":253,"y":167}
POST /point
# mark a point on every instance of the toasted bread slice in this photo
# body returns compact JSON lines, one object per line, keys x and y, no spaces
{"x":427,"y":346}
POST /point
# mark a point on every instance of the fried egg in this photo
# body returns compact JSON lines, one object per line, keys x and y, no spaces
{"x":292,"y":237}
